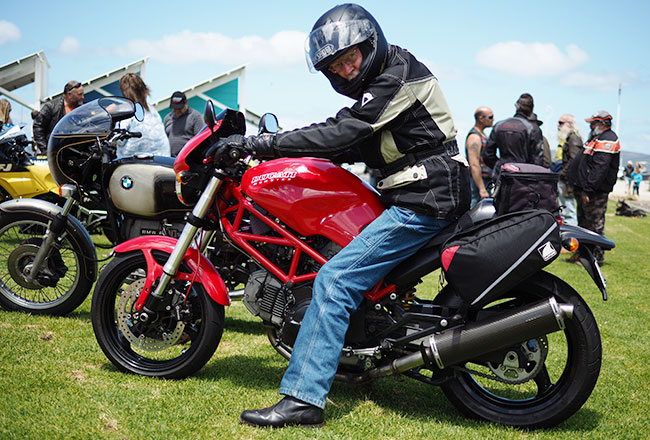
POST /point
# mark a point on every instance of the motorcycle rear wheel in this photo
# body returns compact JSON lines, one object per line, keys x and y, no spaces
{"x":164,"y":347}
{"x":63,"y":282}
{"x":558,"y":389}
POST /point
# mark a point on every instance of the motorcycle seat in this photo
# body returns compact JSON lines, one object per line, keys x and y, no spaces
{"x":424,"y":261}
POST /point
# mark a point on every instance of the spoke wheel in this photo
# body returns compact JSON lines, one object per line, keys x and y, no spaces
{"x":61,"y":283}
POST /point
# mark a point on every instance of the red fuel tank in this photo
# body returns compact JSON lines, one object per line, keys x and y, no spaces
{"x":313,"y":197}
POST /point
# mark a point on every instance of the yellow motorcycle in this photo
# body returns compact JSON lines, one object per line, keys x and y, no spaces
{"x":23,"y":175}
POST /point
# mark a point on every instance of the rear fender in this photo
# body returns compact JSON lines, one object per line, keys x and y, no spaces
{"x":203,"y":271}
{"x":587,"y":240}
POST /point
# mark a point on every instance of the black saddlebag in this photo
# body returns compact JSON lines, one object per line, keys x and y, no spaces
{"x":485,"y":261}
{"x":522,"y":186}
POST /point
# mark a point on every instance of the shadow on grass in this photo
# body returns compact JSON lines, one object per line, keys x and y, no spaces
{"x":244,"y":326}
{"x":403,"y":396}
{"x":427,"y":403}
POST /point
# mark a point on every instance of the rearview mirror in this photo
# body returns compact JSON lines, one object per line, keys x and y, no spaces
{"x":139,"y":112}
{"x":209,"y":115}
{"x":268,"y":123}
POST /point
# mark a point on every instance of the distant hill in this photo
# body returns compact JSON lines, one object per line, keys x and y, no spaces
{"x":634,"y":157}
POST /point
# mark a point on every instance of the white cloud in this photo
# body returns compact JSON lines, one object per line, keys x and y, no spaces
{"x":531,"y":59}
{"x":70,"y":46}
{"x":604,"y":82}
{"x":283,"y":48}
{"x":8,"y":32}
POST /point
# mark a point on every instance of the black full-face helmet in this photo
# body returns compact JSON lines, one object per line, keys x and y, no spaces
{"x":334,"y":33}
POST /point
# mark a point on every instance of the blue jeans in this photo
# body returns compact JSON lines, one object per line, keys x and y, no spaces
{"x":339,"y":289}
{"x":569,"y":213}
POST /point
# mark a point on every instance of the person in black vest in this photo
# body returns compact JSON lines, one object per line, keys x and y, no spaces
{"x":400,"y":124}
{"x":474,"y":144}
{"x":517,"y":139}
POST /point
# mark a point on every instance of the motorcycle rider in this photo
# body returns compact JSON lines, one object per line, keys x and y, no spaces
{"x":400,"y":125}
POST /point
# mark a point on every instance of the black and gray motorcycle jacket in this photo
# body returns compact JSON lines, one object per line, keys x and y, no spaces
{"x":594,"y":169}
{"x":518,"y":140}
{"x":401,"y":126}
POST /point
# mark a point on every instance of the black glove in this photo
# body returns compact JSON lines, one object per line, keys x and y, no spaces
{"x":258,"y":146}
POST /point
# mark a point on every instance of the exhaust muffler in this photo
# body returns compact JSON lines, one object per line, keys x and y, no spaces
{"x":460,"y":344}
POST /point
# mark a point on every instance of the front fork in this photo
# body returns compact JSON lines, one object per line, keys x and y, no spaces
{"x":192,"y":225}
{"x":54,"y":230}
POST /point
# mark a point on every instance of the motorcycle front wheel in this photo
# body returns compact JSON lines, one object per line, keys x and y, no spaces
{"x":62,"y":282}
{"x":541,"y":382}
{"x":172,"y":343}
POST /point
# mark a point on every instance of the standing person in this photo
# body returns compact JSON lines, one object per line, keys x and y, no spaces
{"x":629,"y":169}
{"x":399,"y":124}
{"x":153,"y":140}
{"x":5,"y":111}
{"x":637,"y":178}
{"x":182,"y":124}
{"x":593,"y":175}
{"x":474,"y":144}
{"x":516,"y":138}
{"x":53,"y":111}
{"x":570,"y":144}
{"x":546,"y":147}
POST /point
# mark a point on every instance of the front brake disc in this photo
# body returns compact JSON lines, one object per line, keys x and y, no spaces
{"x":127,"y":319}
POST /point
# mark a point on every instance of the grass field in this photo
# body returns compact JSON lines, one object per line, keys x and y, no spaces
{"x":55,"y":382}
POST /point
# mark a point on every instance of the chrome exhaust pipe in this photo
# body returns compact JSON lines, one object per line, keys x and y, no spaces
{"x":460,"y":344}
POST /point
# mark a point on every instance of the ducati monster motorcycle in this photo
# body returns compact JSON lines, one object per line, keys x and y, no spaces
{"x":528,"y":357}
{"x":48,"y":262}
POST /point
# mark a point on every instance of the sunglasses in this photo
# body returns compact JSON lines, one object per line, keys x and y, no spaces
{"x":72,"y":87}
{"x":561,"y":122}
{"x":347,"y":59}
{"x":489,"y":117}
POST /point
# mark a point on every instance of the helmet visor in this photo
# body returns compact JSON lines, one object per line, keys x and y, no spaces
{"x":327,"y":42}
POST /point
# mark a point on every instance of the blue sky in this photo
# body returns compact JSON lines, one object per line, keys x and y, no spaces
{"x":570,"y":55}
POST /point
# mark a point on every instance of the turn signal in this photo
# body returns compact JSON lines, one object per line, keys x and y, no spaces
{"x":184,"y":176}
{"x":572,"y":244}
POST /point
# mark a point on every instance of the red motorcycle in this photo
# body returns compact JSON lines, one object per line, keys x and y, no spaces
{"x":525,"y":355}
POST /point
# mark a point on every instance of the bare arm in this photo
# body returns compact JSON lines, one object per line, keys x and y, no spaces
{"x":474,"y":158}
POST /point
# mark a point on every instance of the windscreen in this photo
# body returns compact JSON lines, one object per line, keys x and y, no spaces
{"x":95,"y":118}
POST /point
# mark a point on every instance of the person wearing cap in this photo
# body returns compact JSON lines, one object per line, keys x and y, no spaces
{"x":517,"y":139}
{"x":52,"y":112}
{"x":400,"y":124}
{"x":593,"y":174}
{"x":182,"y":123}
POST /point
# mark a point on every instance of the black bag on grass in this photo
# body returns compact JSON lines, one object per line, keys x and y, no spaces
{"x":484,"y":261}
{"x":522,"y":186}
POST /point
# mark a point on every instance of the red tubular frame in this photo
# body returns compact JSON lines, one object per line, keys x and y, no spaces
{"x":243,"y":240}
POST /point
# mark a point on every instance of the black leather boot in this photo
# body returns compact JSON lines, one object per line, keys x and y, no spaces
{"x":288,"y":411}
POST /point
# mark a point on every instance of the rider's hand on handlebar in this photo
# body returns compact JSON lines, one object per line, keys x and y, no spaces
{"x":235,"y":146}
